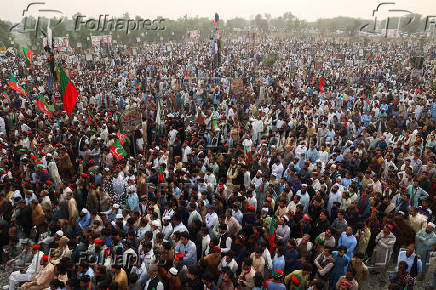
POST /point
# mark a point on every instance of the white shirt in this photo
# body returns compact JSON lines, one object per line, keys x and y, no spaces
{"x":277,"y":169}
{"x":167,"y":230}
{"x":172,"y":135}
{"x":211,"y":219}
{"x":34,"y":267}
{"x":186,"y":151}
{"x":256,"y":182}
{"x":205,"y":245}
{"x":233,"y":266}
{"x":180,"y":228}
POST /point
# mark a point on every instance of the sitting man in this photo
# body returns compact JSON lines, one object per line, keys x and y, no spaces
{"x":27,"y":273}
{"x":43,"y":278}
{"x":23,"y":258}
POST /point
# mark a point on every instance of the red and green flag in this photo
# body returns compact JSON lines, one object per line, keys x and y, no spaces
{"x":15,"y":86}
{"x":35,"y":158}
{"x":160,"y":176}
{"x":44,"y":107}
{"x":68,"y":90}
{"x":139,"y":86}
{"x":118,"y":151}
{"x":346,"y":98}
{"x":272,"y":233}
{"x":366,"y":98}
{"x":121,"y":138}
{"x":6,"y":96}
{"x":214,"y":121}
{"x":131,"y":74}
{"x":29,"y":56}
{"x":200,"y":117}
{"x":321,"y":85}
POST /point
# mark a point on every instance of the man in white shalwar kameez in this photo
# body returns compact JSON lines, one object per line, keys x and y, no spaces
{"x":27,"y":274}
{"x":53,"y":171}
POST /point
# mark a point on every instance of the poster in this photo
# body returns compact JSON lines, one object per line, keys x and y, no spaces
{"x":194,"y":34}
{"x":98,"y":40}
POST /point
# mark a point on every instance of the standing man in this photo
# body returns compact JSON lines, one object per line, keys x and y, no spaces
{"x":154,"y":282}
{"x":348,"y":240}
{"x":425,"y":244}
{"x":416,"y":193}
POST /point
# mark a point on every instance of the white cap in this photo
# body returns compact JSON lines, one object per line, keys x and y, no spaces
{"x":173,"y":271}
{"x":431,"y":224}
{"x":116,"y":205}
{"x":60,"y":233}
{"x":155,"y":223}
{"x":119,"y":216}
{"x":49,"y":155}
{"x":84,"y":210}
{"x":166,"y":217}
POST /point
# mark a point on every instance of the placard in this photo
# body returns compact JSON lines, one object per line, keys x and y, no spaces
{"x":130,"y":120}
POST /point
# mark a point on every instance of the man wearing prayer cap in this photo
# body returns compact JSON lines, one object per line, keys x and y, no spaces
{"x":27,"y":273}
{"x":425,"y":244}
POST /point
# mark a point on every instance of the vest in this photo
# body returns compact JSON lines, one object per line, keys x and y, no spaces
{"x":302,"y":249}
{"x":223,"y":240}
{"x":324,"y":262}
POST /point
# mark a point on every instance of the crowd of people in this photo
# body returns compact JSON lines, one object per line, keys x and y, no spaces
{"x":313,"y":171}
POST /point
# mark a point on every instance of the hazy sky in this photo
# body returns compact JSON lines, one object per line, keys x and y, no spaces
{"x":304,"y":9}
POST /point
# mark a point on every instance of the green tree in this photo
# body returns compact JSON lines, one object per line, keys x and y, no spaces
{"x":261,"y":23}
{"x":5,"y":33}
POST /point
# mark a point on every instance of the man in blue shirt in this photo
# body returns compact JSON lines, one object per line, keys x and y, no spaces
{"x":348,"y":240}
{"x":188,"y":248}
{"x":312,"y":153}
{"x":278,"y":262}
{"x":408,"y":256}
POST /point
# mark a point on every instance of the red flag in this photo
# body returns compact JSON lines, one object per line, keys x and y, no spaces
{"x":69,"y":92}
{"x":29,"y":56}
{"x":321,"y":85}
{"x":4,"y":94}
{"x":44,"y":107}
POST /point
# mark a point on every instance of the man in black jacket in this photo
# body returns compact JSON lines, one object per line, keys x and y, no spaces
{"x":24,"y":217}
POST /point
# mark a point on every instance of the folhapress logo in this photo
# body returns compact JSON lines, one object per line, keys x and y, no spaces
{"x":104,"y":23}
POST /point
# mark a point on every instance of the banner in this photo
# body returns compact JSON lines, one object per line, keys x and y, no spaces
{"x":61,"y":43}
{"x":130,"y":120}
{"x":194,"y":34}
{"x":237,"y":86}
{"x":98,"y":40}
